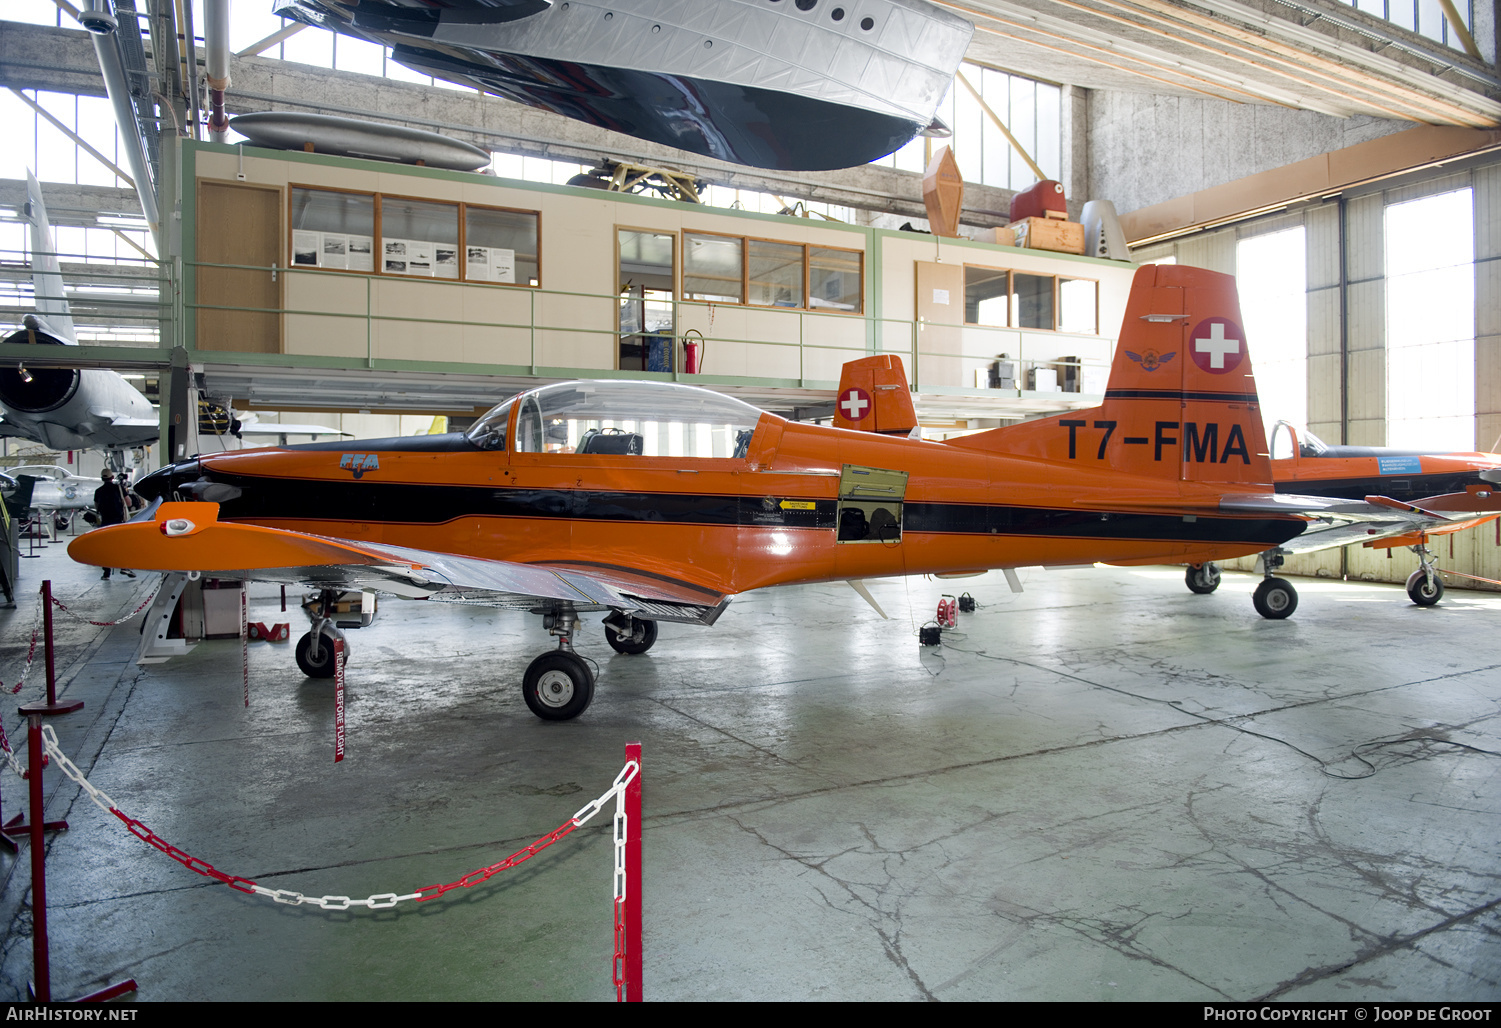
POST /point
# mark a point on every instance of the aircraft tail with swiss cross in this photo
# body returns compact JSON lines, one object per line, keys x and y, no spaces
{"x":1181,"y":401}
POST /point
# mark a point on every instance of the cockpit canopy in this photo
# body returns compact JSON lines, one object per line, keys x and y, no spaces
{"x":1285,"y":437}
{"x":631,"y":418}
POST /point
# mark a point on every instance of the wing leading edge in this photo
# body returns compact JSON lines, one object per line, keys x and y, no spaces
{"x":189,"y":537}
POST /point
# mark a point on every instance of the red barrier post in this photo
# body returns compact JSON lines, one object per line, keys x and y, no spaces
{"x":41,"y":966}
{"x":633,"y":878}
{"x":47,"y":649}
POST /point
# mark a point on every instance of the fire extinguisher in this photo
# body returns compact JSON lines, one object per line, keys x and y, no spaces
{"x":693,"y":351}
{"x":948,"y":612}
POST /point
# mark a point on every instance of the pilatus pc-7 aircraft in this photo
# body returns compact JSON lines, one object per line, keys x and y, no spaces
{"x":658,"y":502}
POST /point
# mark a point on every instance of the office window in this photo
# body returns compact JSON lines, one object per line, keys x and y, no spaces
{"x":712,"y":267}
{"x":332,"y":229}
{"x":834,"y":279}
{"x":986,"y":297}
{"x":419,"y":237}
{"x":1271,"y":275}
{"x":501,"y":246}
{"x":1031,"y":300}
{"x":776,"y":273}
{"x":1078,"y":305}
{"x":1430,"y":322}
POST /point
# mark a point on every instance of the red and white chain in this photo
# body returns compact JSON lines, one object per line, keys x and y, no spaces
{"x":36,"y":631}
{"x":60,"y":605}
{"x":379,"y":901}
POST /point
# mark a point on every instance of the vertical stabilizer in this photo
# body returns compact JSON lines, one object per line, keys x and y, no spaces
{"x":46,"y":272}
{"x":1181,"y":401}
{"x":874,"y":397}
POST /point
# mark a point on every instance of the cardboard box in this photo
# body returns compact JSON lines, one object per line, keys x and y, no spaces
{"x":1049,"y":234}
{"x":1043,"y":380}
{"x":1004,"y":237}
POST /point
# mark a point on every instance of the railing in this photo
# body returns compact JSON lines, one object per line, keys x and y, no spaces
{"x":805,"y":349}
{"x":141,"y":304}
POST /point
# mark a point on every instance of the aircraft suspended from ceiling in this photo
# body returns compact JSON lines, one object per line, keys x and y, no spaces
{"x":806,"y":85}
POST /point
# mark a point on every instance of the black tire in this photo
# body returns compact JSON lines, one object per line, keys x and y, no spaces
{"x":558,"y":686}
{"x":323,"y":668}
{"x":1203,"y":579}
{"x":625,"y":644}
{"x":1423,"y":591}
{"x":1275,"y":598}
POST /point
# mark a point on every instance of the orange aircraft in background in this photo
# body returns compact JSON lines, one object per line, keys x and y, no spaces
{"x":1425,"y":494}
{"x":651,"y":501}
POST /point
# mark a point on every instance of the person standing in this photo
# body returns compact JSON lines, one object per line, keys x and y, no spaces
{"x":111,"y":501}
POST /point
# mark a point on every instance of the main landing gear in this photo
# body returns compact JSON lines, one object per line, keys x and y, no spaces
{"x":1274,"y":598}
{"x":315,"y":650}
{"x":1424,"y":587}
{"x":559,"y":686}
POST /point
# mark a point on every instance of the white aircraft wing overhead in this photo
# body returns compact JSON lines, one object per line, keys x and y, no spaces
{"x":188,"y":537}
{"x":264,"y":429}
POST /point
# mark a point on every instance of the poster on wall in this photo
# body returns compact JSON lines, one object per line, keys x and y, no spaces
{"x":491,"y":264}
{"x":305,"y":247}
{"x":335,"y":250}
{"x":360,"y":254}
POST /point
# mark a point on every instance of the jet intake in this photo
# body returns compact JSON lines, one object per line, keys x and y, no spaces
{"x":36,"y":390}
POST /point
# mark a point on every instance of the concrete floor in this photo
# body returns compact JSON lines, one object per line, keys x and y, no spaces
{"x":1104,"y":789}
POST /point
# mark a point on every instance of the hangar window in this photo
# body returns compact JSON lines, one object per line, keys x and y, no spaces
{"x":1430,"y":322}
{"x":1271,"y":275}
{"x":1425,"y":17}
{"x":999,"y":298}
{"x":633,"y":419}
{"x":834,"y":279}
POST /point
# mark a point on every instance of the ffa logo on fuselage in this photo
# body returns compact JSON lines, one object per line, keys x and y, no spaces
{"x":359,"y":463}
{"x":1151,"y":360}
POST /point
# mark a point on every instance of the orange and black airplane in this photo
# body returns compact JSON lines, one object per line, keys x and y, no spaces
{"x":1423,"y":494}
{"x":651,"y":501}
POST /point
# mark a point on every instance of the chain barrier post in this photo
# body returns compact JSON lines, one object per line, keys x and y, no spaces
{"x":633,"y":877}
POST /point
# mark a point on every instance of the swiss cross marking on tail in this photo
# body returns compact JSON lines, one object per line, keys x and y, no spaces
{"x":1217,"y":345}
{"x":854,"y":403}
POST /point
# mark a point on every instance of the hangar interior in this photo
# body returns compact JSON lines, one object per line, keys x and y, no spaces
{"x":1101,"y":788}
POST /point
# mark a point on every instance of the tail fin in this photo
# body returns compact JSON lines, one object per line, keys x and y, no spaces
{"x":46,"y":272}
{"x":1181,"y":401}
{"x":874,"y":397}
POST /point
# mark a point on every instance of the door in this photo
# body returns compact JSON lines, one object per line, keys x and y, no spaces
{"x":239,"y":225}
{"x":647,"y":285}
{"x":940,"y":324}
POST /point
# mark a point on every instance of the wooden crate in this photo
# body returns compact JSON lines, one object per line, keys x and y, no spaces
{"x":1049,"y":234}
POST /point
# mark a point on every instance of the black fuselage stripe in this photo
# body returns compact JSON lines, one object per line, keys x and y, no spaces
{"x":272,"y":499}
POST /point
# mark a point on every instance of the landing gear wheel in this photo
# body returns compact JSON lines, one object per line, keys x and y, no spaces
{"x":1203,"y":579}
{"x":1424,"y":591}
{"x":1275,"y":598}
{"x":640,"y":637}
{"x":323,"y":667}
{"x":558,"y":686}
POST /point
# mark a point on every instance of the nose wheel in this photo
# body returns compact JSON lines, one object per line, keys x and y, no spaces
{"x":1424,"y":587}
{"x":1203,"y":578}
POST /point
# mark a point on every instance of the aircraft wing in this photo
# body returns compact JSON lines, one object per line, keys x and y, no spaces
{"x":1343,"y":522}
{"x":189,"y":537}
{"x":134,"y":423}
{"x":260,"y":428}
